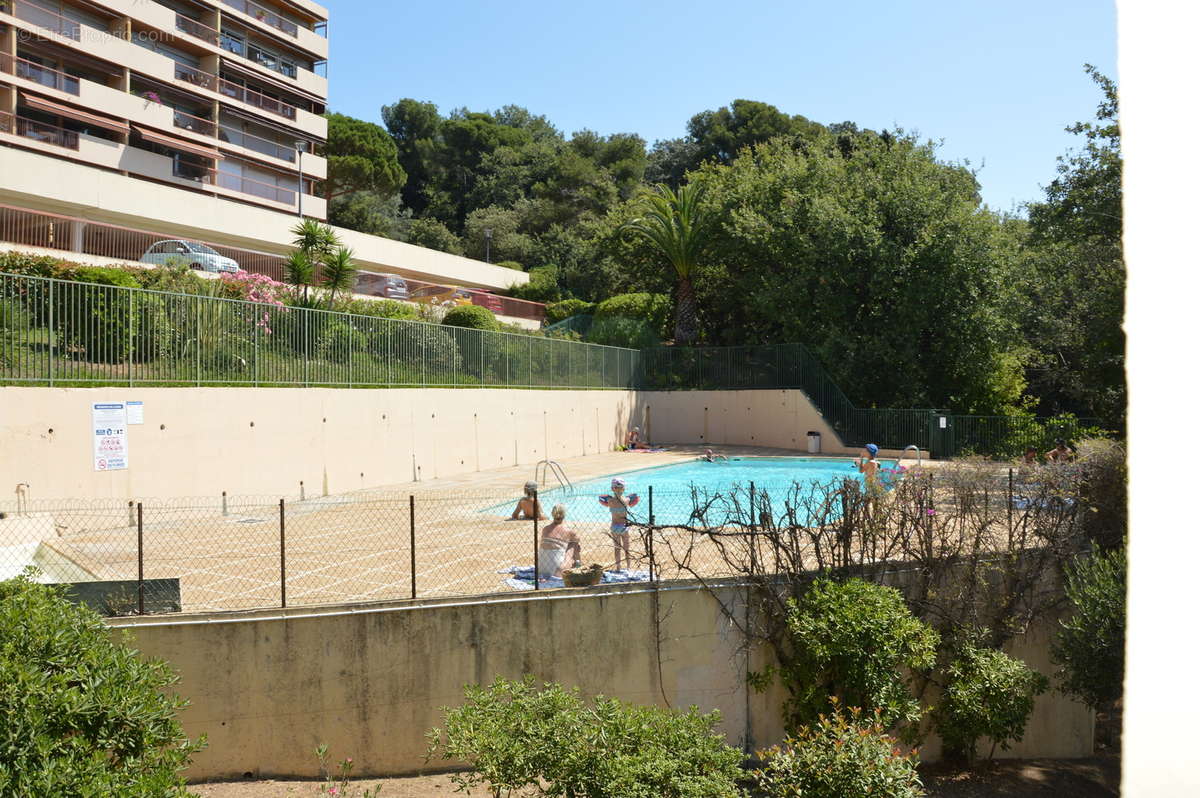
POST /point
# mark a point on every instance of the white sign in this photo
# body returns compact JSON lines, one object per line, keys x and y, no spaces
{"x":942,"y":422}
{"x":110,"y":447}
{"x":135,"y":413}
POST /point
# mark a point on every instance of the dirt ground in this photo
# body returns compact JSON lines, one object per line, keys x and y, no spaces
{"x":1095,"y":777}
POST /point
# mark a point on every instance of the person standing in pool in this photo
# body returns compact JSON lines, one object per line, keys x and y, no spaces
{"x":869,"y":467}
{"x":618,"y":505}
{"x":1061,"y":453}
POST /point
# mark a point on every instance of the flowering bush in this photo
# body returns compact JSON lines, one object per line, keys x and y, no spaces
{"x":842,"y":754}
{"x":339,"y":785}
{"x":257,"y":288}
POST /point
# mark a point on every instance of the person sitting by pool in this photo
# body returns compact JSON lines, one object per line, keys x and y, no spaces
{"x":634,"y":440}
{"x":558,"y":540}
{"x":1061,"y":453}
{"x":618,"y":505}
{"x":709,"y":457}
{"x":528,"y":506}
{"x":1030,"y":457}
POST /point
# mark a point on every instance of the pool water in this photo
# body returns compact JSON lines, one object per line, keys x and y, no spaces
{"x":673,"y":484}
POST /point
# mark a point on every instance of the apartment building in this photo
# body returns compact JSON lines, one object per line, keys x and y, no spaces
{"x":221,"y":97}
{"x":123,"y":122}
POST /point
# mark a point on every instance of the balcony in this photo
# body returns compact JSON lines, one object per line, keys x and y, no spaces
{"x":256,"y":144}
{"x":265,"y":16}
{"x":43,"y":76}
{"x":196,"y":28}
{"x":256,"y":188}
{"x":256,"y":99}
{"x":38,"y":131}
{"x":195,"y":124}
{"x":36,"y":15}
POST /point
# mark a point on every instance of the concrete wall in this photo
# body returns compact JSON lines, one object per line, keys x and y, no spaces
{"x":369,"y":681}
{"x":775,"y":418}
{"x":201,"y":441}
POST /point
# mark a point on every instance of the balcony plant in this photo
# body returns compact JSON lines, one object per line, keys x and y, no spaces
{"x":151,"y":96}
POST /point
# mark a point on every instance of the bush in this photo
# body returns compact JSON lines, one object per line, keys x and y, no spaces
{"x":840,"y":756}
{"x":542,"y":286}
{"x":853,"y":640}
{"x":987,"y":694}
{"x":516,"y":735}
{"x":561,"y":311}
{"x":511,"y":264}
{"x":33,"y":265}
{"x":621,"y":331}
{"x":472,"y":317}
{"x":653,"y":309}
{"x":1090,"y":648}
{"x":107,"y":324}
{"x":338,"y":340}
{"x":83,"y":715}
{"x":1103,"y":479}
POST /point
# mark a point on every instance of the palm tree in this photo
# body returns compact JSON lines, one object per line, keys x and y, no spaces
{"x":677,"y":225}
{"x":338,"y":273}
{"x":315,"y":246}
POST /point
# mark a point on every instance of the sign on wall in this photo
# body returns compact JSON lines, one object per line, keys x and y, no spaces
{"x":110,"y":445}
{"x":135,"y":413}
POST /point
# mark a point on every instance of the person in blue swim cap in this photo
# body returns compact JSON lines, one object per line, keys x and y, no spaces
{"x":869,"y":467}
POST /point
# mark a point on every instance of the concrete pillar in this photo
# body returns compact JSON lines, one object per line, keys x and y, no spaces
{"x":77,"y":236}
{"x":122,"y":28}
{"x":8,"y":41}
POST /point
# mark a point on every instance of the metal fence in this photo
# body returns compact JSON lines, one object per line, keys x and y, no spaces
{"x":247,"y":552}
{"x":55,"y":332}
{"x":793,"y":367}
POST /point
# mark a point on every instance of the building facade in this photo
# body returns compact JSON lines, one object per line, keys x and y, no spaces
{"x":126,"y":123}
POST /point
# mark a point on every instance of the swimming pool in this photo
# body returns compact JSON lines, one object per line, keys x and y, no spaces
{"x":673,"y":484}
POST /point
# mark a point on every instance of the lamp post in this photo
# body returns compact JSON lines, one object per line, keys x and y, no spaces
{"x":301,"y":146}
{"x":487,"y":241}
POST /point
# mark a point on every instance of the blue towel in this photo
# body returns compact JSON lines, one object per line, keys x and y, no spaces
{"x":522,"y":577}
{"x":1026,"y":503}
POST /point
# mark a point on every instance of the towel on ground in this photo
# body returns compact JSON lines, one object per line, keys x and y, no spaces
{"x":522,"y":577}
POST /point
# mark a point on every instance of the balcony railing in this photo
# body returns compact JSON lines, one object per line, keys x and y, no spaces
{"x":39,"y":131}
{"x":264,"y":15}
{"x":188,"y":171}
{"x":39,"y":74}
{"x":36,"y":15}
{"x":256,"y":188}
{"x":195,"y":124}
{"x":256,"y":99}
{"x":196,"y":77}
{"x":196,"y":28}
{"x":259,"y":145}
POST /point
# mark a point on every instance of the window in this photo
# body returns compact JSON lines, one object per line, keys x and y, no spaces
{"x":233,"y":43}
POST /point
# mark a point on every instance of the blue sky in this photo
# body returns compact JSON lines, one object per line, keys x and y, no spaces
{"x":995,"y":82}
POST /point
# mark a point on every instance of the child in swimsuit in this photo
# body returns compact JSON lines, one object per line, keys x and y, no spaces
{"x":618,"y":505}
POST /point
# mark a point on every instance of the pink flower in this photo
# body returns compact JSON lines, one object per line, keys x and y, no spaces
{"x":930,"y":512}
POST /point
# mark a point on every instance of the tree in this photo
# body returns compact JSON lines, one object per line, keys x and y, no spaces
{"x":1090,"y":648}
{"x":319,"y":259}
{"x":361,"y":157}
{"x":677,"y":226}
{"x":414,"y":127}
{"x":1075,"y":274}
{"x":432,"y":234}
{"x":338,"y":273}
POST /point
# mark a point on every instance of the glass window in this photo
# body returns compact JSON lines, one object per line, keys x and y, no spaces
{"x":233,"y":43}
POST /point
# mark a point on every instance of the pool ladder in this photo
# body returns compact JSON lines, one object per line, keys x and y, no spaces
{"x":911,"y":446}
{"x":543,"y":470}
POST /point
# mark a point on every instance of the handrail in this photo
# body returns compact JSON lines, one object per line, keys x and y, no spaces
{"x":207,"y":80}
{"x":544,"y":468}
{"x":39,"y":131}
{"x":30,"y":70}
{"x":194,"y":27}
{"x":264,"y":15}
{"x":196,"y":124}
{"x":42,"y":17}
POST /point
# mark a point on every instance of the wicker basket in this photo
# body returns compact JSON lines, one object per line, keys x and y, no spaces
{"x":591,"y":576}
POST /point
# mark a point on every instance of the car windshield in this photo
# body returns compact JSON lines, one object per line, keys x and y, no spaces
{"x":202,"y":249}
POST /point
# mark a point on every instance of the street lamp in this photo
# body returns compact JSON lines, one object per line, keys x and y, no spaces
{"x":301,"y":146}
{"x":487,"y":240}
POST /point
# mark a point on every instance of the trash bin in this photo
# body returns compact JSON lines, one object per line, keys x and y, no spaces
{"x":814,"y":442}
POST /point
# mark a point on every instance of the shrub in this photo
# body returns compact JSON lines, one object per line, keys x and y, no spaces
{"x":473,"y":317}
{"x":1103,"y":477}
{"x":542,"y":286}
{"x":987,"y":694}
{"x":653,"y":309}
{"x":841,"y":755}
{"x":516,"y":735}
{"x":1090,"y":648}
{"x":561,"y":311}
{"x":338,"y":340}
{"x":853,"y":640}
{"x":621,"y":331}
{"x":83,"y":714}
{"x":33,"y":265}
{"x":511,"y":264}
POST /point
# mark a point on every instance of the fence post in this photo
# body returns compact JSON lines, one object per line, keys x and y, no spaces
{"x":412,"y":543}
{"x":282,"y":556}
{"x":132,"y":514}
{"x":650,"y":533}
{"x":256,"y":353}
{"x":537,"y":511}
{"x":224,"y":503}
{"x":53,"y":339}
{"x":752,"y":510}
{"x":1010,"y":504}
{"x":141,"y":564}
{"x":129,"y":363}
{"x":196,"y":310}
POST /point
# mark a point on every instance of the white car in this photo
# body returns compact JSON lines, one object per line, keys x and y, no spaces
{"x":190,"y":254}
